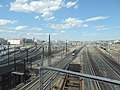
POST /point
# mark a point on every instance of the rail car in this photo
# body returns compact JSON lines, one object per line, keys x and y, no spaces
{"x":74,"y":52}
{"x":103,"y":48}
{"x":3,"y":53}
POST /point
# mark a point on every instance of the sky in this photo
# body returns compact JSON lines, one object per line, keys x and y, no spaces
{"x":76,"y":20}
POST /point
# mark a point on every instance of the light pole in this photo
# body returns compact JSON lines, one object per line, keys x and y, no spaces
{"x":109,"y":47}
{"x":42,"y":57}
{"x":41,"y":78}
{"x":49,"y":52}
{"x":66,"y":47}
{"x":14,"y":68}
{"x":24,"y":70}
{"x":27,"y":54}
{"x":8,"y":52}
{"x":14,"y":60}
{"x":43,"y":51}
{"x":118,"y":55}
{"x":41,"y":71}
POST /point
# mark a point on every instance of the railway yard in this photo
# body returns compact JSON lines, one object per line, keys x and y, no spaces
{"x":59,"y":45}
{"x":87,"y":59}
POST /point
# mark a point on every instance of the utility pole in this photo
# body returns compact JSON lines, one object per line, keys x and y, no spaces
{"x":31,"y":63}
{"x":66,"y":47}
{"x":41,"y":78}
{"x":24,"y":71}
{"x":41,"y":70}
{"x":14,"y":69}
{"x":42,"y":57}
{"x":14,"y":61}
{"x":8,"y":52}
{"x":49,"y":52}
{"x":27,"y":54}
{"x":43,"y":51}
{"x":36,"y":44}
{"x":118,"y":55}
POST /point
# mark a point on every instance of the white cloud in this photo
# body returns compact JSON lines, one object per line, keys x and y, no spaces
{"x":100,"y":28}
{"x":4,"y":22}
{"x":93,"y":34}
{"x":36,"y":29}
{"x":6,"y":29}
{"x":97,"y":18}
{"x":28,"y":33}
{"x":62,"y":31}
{"x":11,"y":31}
{"x":48,"y":16}
{"x":38,"y":33}
{"x":76,"y":22}
{"x":47,"y":34}
{"x":76,"y":7}
{"x":73,"y":20}
{"x":21,"y":1}
{"x":7,"y":5}
{"x":37,"y":17}
{"x":1,"y":6}
{"x":118,"y":27}
{"x":69,"y":23}
{"x":21,"y":28}
{"x":45,"y":8}
{"x":54,"y":34}
{"x":2,"y":31}
{"x":70,"y":4}
{"x":28,"y":28}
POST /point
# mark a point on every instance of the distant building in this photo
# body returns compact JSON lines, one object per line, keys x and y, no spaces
{"x":15,"y":41}
{"x":3,"y":41}
{"x":21,"y":41}
{"x":35,"y":40}
{"x":28,"y":40}
{"x":74,"y":42}
{"x":117,"y":41}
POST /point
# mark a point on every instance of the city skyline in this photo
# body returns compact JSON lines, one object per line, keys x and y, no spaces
{"x":81,"y":20}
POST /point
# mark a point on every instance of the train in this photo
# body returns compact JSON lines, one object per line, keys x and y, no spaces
{"x":74,"y":52}
{"x":103,"y":48}
{"x":3,"y":53}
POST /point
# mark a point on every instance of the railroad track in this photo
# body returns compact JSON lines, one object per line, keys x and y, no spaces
{"x":34,"y":84}
{"x":88,"y":69}
{"x":95,"y":67}
{"x":95,"y":61}
{"x":32,"y":56}
{"x":19,"y":56}
{"x":113,"y":66}
{"x":112,"y":63}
